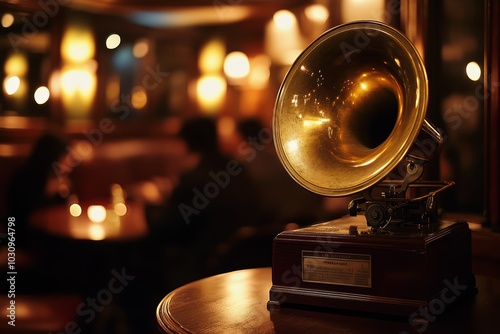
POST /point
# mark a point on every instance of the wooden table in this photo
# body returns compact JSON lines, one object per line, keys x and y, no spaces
{"x":235,"y":302}
{"x":57,"y":221}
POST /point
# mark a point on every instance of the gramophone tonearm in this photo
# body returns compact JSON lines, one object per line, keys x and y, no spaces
{"x":392,"y":206}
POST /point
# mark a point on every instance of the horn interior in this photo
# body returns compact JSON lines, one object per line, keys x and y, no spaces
{"x":350,"y":108}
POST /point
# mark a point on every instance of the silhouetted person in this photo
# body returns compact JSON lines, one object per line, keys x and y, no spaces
{"x":35,"y":184}
{"x":211,"y":201}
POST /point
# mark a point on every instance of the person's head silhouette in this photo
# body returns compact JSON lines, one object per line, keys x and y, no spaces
{"x":200,"y":135}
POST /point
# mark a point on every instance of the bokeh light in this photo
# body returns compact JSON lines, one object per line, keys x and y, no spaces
{"x":236,"y":65}
{"x":284,"y":19}
{"x":96,"y":213}
{"x":113,"y":41}
{"x":41,"y":95}
{"x":473,"y":71}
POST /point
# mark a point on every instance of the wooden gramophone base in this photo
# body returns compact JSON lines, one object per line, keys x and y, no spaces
{"x":341,"y":264}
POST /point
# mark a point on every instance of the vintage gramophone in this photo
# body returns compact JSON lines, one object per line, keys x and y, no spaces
{"x":350,"y":112}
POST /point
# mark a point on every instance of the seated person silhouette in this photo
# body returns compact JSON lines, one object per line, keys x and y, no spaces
{"x":36,"y":184}
{"x":209,"y":204}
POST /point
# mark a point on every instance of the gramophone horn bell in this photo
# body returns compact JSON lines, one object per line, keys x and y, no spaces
{"x":351,"y":108}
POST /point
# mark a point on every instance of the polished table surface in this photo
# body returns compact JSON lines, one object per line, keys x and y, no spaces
{"x":235,"y":302}
{"x":57,"y":221}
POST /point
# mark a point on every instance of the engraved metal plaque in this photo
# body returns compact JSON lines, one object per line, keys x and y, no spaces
{"x":337,"y":268}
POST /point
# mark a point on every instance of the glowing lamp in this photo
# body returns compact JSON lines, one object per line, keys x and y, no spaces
{"x":120,"y":209}
{"x":75,"y":210}
{"x":96,"y":213}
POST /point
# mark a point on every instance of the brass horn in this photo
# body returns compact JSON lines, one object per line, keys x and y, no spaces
{"x":351,"y":108}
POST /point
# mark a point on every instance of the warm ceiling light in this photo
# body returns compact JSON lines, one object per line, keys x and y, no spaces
{"x":77,"y":45}
{"x":16,"y":64}
{"x":11,"y":85}
{"x":317,"y":13}
{"x":211,"y":57}
{"x":77,"y":89}
{"x":7,"y":20}
{"x":78,"y":81}
{"x":236,"y":65}
{"x":41,"y":95}
{"x":75,"y":210}
{"x":283,"y":41}
{"x":96,"y":213}
{"x":284,"y":19}
{"x":473,"y":71}
{"x":210,"y":91}
{"x":113,"y":41}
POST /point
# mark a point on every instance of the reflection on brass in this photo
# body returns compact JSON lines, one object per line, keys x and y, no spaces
{"x":350,"y":109}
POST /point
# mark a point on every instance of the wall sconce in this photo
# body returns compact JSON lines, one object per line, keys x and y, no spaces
{"x":236,"y":67}
{"x":473,"y":71}
{"x":78,"y":79}
{"x":15,"y":84}
{"x":210,"y":93}
{"x":211,"y":58}
{"x":283,"y":40}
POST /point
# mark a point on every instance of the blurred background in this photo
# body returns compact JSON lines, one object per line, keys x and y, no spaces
{"x":115,"y":82}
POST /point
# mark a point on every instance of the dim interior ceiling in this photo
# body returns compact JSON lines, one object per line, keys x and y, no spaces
{"x":174,"y":13}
